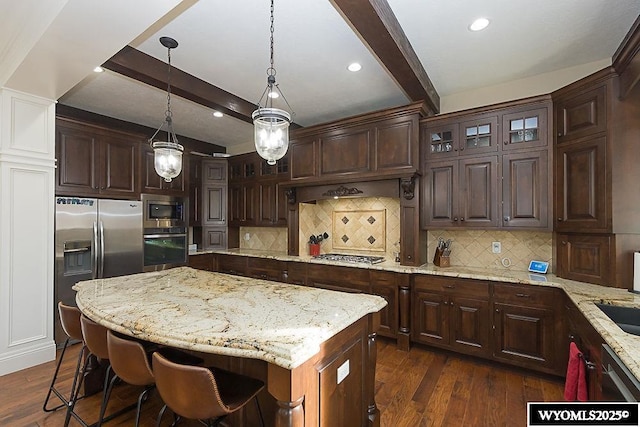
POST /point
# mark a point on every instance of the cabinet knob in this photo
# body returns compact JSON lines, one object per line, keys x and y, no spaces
{"x":408,"y":256}
{"x":461,"y":148}
{"x":506,"y":143}
{"x":559,"y":219}
{"x":462,"y":219}
{"x":507,"y":218}
{"x":455,"y":218}
{"x":564,"y":242}
{"x":559,"y":134}
{"x":497,"y":310}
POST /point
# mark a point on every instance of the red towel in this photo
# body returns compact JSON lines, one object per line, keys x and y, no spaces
{"x":575,"y":386}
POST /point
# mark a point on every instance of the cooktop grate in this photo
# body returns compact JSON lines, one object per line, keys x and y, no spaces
{"x":351,"y":258}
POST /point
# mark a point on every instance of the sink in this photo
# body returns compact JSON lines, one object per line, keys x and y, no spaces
{"x":627,"y":318}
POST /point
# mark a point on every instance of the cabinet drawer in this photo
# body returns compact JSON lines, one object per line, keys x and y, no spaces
{"x":466,"y":287}
{"x":295,"y":273}
{"x":232,"y":264}
{"x":528,"y":295}
{"x":383,"y":278}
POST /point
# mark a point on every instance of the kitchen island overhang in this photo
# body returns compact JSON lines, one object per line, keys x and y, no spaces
{"x":314,"y":341}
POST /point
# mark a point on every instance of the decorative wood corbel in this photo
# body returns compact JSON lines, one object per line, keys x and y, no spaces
{"x":408,"y":187}
{"x":342,"y":191}
{"x":291,"y":195}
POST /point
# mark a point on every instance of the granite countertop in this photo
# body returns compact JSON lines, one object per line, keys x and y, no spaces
{"x":223,"y":314}
{"x":584,"y":295}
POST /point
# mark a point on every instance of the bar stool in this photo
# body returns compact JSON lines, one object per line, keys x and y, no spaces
{"x":70,"y":321}
{"x":206,"y":394}
{"x":131,"y":362}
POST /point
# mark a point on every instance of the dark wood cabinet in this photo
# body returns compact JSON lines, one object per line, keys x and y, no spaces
{"x":582,"y":114}
{"x":210,"y":193}
{"x":525,"y":190}
{"x":202,"y":262}
{"x":241,"y":204}
{"x":195,"y":191}
{"x":96,"y":162}
{"x":461,"y":193}
{"x":585,"y":258}
{"x":214,"y":237}
{"x":154,"y":184}
{"x":589,"y":342}
{"x":265,"y":268}
{"x":463,"y":185}
{"x":452,"y":314}
{"x":335,"y":278}
{"x":386,"y":285}
{"x":231,"y":264}
{"x":375,"y":146}
{"x":527,"y":326}
{"x":295,"y":273}
{"x":581,"y":186}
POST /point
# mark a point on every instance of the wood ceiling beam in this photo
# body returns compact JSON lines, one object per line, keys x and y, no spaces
{"x":139,"y":66}
{"x":377,"y":26}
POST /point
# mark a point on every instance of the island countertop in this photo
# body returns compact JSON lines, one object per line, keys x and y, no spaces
{"x":223,"y":314}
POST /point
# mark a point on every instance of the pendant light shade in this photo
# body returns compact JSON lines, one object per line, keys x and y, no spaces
{"x":271,"y":125}
{"x":167,"y":154}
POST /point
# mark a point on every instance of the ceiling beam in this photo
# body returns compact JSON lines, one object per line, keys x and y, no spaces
{"x":139,"y":66}
{"x":378,"y":28}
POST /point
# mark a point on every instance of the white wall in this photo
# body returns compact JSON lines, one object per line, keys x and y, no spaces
{"x":27,"y":164}
{"x":540,"y":84}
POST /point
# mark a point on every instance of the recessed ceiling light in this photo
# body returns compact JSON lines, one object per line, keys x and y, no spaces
{"x":217,"y":114}
{"x":98,"y":70}
{"x":479,"y":24}
{"x":354,"y":67}
{"x":273,"y":95}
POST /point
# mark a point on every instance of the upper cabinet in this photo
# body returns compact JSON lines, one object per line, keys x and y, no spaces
{"x":488,"y":167}
{"x":96,"y":162}
{"x":372,"y":146}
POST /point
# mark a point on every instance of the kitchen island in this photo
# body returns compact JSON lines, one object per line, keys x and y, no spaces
{"x":317,"y":346}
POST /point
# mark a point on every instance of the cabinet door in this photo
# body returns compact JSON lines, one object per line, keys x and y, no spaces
{"x":266,"y":202}
{"x":581,"y":187}
{"x":440,"y":201}
{"x":440,"y":140}
{"x":346,"y":153}
{"x":394,"y":147}
{"x":524,"y":336}
{"x":478,"y":192}
{"x":525,"y":195}
{"x":201,"y":262}
{"x":525,"y":129}
{"x":581,"y":115}
{"x":469,"y":325}
{"x":479,"y":135}
{"x":385,"y":284}
{"x":195,"y":191}
{"x":232,"y":264}
{"x":241,"y":204}
{"x":585,"y":258}
{"x":214,"y":238}
{"x":214,"y":171}
{"x":282,"y":205}
{"x":215,"y":204}
{"x":77,"y":153}
{"x":431,"y":318}
{"x":119,"y":158}
{"x":303,"y":158}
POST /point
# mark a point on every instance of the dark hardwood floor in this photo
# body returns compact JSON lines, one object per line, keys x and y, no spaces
{"x":422,"y":387}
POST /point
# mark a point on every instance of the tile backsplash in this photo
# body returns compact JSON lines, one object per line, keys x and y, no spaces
{"x":472,"y":248}
{"x":273,"y":239}
{"x":369,"y":225}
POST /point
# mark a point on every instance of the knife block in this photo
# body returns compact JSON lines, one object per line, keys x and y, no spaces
{"x":441,"y":260}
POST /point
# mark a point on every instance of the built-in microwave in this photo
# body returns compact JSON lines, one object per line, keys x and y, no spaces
{"x":164,"y":211}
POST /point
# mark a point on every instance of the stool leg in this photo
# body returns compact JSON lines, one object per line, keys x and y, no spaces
{"x":259,"y":411}
{"x":143,"y":396}
{"x":75,"y":389}
{"x":106,"y":393}
{"x":53,"y":381}
{"x":160,"y":415}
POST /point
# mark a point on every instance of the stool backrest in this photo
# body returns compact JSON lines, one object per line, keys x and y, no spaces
{"x":129,"y":360}
{"x":70,"y":320}
{"x":95,"y":337}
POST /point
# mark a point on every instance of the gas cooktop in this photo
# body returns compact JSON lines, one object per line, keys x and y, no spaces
{"x":351,"y":258}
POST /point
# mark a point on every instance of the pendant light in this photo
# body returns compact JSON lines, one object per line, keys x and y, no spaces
{"x":271,"y":125}
{"x":167,"y":154}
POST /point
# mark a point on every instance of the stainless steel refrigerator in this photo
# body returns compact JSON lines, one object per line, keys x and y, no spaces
{"x":95,"y":238}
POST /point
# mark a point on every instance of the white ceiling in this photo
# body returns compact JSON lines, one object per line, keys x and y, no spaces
{"x":227,"y":45}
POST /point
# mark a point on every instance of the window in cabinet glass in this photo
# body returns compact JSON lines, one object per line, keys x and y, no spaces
{"x":524,"y":129}
{"x":441,"y":141}
{"x":478,"y":136}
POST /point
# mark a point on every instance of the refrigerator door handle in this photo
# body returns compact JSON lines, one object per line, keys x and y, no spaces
{"x":94,"y":270}
{"x":101,"y":249}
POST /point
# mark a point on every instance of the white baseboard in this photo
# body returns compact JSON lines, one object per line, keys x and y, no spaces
{"x":27,"y":357}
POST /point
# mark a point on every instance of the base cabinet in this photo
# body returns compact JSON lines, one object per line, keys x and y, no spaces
{"x":451,"y":314}
{"x":526,"y":322}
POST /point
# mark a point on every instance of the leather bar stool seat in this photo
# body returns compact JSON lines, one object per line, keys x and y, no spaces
{"x":206,"y":394}
{"x":70,"y":322}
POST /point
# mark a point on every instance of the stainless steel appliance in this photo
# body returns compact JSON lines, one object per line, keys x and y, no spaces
{"x":94,"y":238}
{"x":165,"y":248}
{"x":618,"y":383}
{"x":164,"y":211}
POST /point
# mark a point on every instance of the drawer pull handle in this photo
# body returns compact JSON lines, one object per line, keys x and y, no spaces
{"x":590,"y":365}
{"x":449,"y":286}
{"x":522,"y":295}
